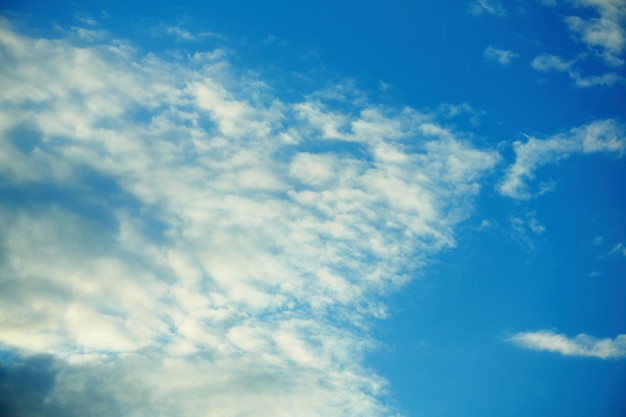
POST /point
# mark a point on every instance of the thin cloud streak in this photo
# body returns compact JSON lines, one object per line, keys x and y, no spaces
{"x":581,"y":345}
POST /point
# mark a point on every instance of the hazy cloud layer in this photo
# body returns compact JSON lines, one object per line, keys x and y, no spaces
{"x":181,"y":240}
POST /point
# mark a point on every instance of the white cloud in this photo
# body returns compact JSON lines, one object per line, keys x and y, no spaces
{"x":597,"y":241}
{"x":607,"y":79}
{"x":203,"y":245}
{"x":598,"y":136}
{"x":546,"y":62}
{"x":605,"y":31}
{"x":581,"y":345}
{"x":526,"y":229}
{"x":603,"y":34}
{"x":490,"y":7}
{"x":181,"y":34}
{"x":618,"y":249}
{"x":502,"y":56}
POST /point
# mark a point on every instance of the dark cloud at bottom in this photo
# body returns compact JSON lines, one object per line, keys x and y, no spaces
{"x":25,"y":384}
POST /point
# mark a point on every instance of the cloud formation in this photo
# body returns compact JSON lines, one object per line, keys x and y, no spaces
{"x":604,"y":35}
{"x":547,"y":62}
{"x":502,"y":56}
{"x":581,"y":345}
{"x":181,"y":240}
{"x":489,"y":7}
{"x":599,"y":136}
{"x":605,"y":31}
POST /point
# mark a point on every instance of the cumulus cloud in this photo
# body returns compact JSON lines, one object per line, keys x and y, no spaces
{"x":581,"y":345}
{"x":502,"y":56}
{"x":599,"y":136}
{"x":182,"y":241}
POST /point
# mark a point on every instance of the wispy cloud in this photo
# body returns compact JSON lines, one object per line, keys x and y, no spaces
{"x":547,"y":62}
{"x":525,"y":229}
{"x":605,"y":31}
{"x":197,"y":243}
{"x":598,"y":136}
{"x":604,"y":36}
{"x":448,"y":110}
{"x":581,"y":345}
{"x":607,"y":79}
{"x":502,"y":56}
{"x":181,"y":34}
{"x":618,"y":249}
{"x":489,"y":7}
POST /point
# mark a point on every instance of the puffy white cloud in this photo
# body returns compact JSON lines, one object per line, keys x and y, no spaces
{"x":184,"y":242}
{"x":598,"y":136}
{"x":581,"y":345}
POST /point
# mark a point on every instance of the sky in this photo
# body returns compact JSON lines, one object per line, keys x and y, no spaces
{"x":314,"y":208}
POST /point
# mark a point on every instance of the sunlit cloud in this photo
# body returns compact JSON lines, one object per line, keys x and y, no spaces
{"x":175,"y":228}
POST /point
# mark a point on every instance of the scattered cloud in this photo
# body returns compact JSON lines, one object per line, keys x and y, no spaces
{"x":502,"y":56}
{"x":181,"y":34}
{"x":273,"y":39}
{"x":605,"y":37}
{"x":486,"y":7}
{"x":604,"y":32}
{"x":525,"y":229}
{"x":174,"y":227}
{"x":618,"y":249}
{"x":597,"y":241}
{"x":607,"y":80}
{"x":599,"y":136}
{"x":546,"y":62}
{"x":581,"y":345}
{"x":448,"y":110}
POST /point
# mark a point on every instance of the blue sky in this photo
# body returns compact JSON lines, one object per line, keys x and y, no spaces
{"x":313,"y":208}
